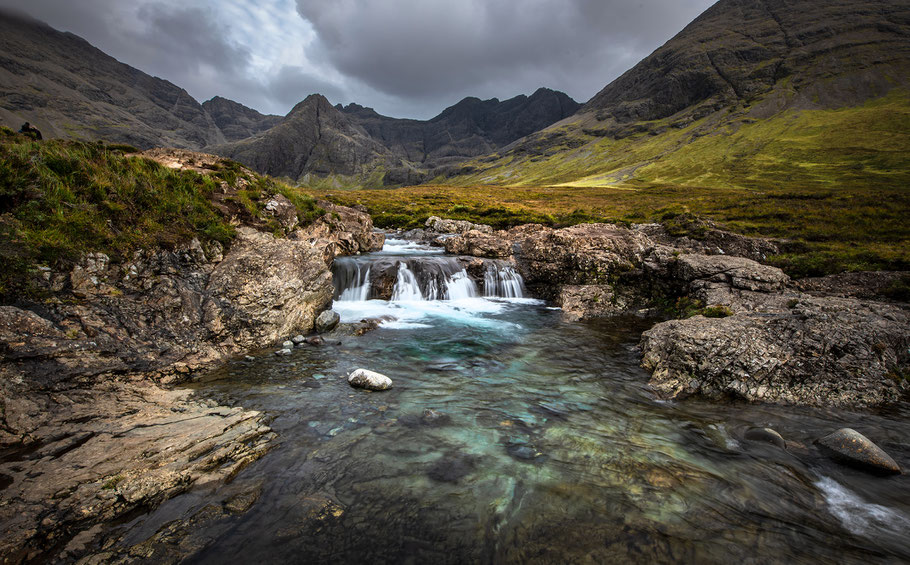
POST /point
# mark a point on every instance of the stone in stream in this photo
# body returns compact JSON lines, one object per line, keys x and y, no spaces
{"x":288,"y":344}
{"x":327,"y":321}
{"x":452,"y":467}
{"x":766,"y":435}
{"x":315,"y":340}
{"x":298,"y":339}
{"x":369,"y":380}
{"x":852,"y":448}
{"x":283,"y":352}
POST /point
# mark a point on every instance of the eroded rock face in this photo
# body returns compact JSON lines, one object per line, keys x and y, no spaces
{"x":87,"y":432}
{"x":341,"y":231}
{"x":823,"y":351}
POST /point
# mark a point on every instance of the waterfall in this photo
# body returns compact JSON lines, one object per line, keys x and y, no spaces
{"x":351,"y":281}
{"x":460,"y":285}
{"x":501,"y":279}
{"x":406,"y":287}
{"x":423,"y":278}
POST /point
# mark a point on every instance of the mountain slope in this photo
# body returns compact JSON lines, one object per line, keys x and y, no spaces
{"x":314,"y":138}
{"x":237,"y":121}
{"x":354,"y":141}
{"x":67,"y":88}
{"x":752,"y":92}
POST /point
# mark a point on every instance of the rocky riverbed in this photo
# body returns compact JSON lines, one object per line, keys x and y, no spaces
{"x":91,"y":433}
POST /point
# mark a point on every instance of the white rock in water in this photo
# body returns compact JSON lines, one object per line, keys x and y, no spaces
{"x":287,"y":344}
{"x":298,"y":339}
{"x":370,"y":380}
{"x":284,"y":351}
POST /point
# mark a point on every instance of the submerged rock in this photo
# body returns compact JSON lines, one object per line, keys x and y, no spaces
{"x":452,"y":468}
{"x":314,"y":340}
{"x":327,"y":321}
{"x":766,"y":435}
{"x":852,"y":448}
{"x":298,"y":339}
{"x":369,"y":380}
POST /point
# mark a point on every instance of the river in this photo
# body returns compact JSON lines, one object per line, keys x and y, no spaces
{"x":513,"y":435}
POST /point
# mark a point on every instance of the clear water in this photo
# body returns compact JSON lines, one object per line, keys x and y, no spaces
{"x":512,"y":435}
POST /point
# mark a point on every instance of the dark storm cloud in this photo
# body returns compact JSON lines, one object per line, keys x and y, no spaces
{"x":432,"y":48}
{"x":408,"y":58}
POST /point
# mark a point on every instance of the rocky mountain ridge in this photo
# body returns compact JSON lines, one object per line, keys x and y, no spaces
{"x":361,"y":145}
{"x":745,"y":95}
{"x":67,"y":88}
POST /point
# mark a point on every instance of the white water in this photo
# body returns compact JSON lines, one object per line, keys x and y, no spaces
{"x":394,"y":246}
{"x":430,"y":292}
{"x":502,"y":280}
{"x":406,"y":287}
{"x":859,"y":516}
{"x":360,"y":290}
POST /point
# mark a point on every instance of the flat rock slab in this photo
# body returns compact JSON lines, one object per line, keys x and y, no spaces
{"x":853,"y":448}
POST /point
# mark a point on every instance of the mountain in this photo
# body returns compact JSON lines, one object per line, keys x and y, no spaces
{"x":752,"y":93}
{"x":314,"y":138}
{"x":67,"y":88}
{"x":237,"y":121}
{"x":354,"y":141}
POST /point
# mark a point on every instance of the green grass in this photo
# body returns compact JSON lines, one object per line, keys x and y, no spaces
{"x":851,"y":147}
{"x":60,"y":199}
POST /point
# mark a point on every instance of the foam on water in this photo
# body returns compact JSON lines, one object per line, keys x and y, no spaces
{"x":394,"y":246}
{"x":857,"y":515}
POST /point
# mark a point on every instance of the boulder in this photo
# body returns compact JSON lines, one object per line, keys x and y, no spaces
{"x":850,"y":447}
{"x":766,"y":435}
{"x":822,"y":351}
{"x":283,"y":210}
{"x":479,"y":244}
{"x":369,"y":380}
{"x":327,"y":321}
{"x":440,"y":225}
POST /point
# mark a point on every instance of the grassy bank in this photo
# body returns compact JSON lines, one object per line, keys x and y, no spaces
{"x":60,"y":199}
{"x":853,"y":228}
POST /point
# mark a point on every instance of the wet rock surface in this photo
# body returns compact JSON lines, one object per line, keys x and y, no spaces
{"x":852,"y":448}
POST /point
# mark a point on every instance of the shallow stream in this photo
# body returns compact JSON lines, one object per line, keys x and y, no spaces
{"x":512,"y":435}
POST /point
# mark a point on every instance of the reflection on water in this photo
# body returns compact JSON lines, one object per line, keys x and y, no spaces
{"x":513,"y":436}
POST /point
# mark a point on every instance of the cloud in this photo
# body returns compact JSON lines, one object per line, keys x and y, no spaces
{"x":403,"y":57}
{"x":292,"y":84}
{"x":428,"y":49}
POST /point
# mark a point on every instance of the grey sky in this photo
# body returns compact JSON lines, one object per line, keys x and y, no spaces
{"x":405,"y":58}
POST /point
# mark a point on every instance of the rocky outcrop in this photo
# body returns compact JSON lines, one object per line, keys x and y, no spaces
{"x":822,"y":351}
{"x":88,"y":455}
{"x":752,"y":334}
{"x":87,"y":432}
{"x":445,"y":226}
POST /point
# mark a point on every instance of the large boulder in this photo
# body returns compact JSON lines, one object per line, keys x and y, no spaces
{"x":820,"y":351}
{"x":853,"y":448}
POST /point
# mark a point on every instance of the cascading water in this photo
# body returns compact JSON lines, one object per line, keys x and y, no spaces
{"x":502,"y":280}
{"x":406,"y":287}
